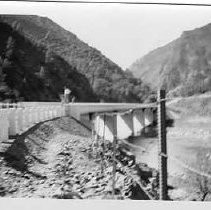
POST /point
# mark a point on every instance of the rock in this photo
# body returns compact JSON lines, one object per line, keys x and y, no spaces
{"x":26,"y":176}
{"x":69,"y":194}
{"x":76,"y":176}
{"x":12,"y":190}
{"x":66,"y":187}
{"x":77,"y":182}
{"x":55,"y":185}
{"x":89,"y":173}
{"x":50,"y":183}
{"x":177,"y":194}
{"x":64,"y":153}
{"x":70,"y":161}
{"x":108,"y":188}
{"x":42,"y":181}
{"x":81,"y":190}
{"x":18,"y":173}
{"x":2,"y":191}
{"x":85,"y":179}
{"x":26,"y":184}
{"x":109,"y":169}
{"x":91,"y":184}
{"x":103,"y":184}
{"x":41,"y":196}
{"x":128,"y":194}
{"x":83,"y":150}
{"x":76,"y":187}
{"x":32,"y":189}
{"x":5,"y":172}
{"x":100,"y":189}
{"x":58,"y":193}
{"x":120,"y":180}
{"x":99,"y":177}
{"x":71,"y":174}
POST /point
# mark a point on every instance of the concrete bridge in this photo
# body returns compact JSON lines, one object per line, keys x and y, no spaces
{"x":132,"y":118}
{"x":17,"y":118}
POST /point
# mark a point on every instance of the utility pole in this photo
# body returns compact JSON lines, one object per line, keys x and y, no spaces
{"x":114,"y":153}
{"x":162,"y":145}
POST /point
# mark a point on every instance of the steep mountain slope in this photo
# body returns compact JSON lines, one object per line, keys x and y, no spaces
{"x":27,"y":74}
{"x":57,"y":51}
{"x":183,"y":66}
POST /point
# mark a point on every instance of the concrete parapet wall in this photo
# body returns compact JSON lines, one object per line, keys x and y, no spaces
{"x":4,"y":125}
{"x":15,"y":121}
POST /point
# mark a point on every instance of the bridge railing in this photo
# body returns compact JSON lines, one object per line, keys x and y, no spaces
{"x":15,"y":120}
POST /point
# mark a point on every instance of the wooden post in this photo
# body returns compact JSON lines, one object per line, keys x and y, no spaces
{"x":132,"y":113}
{"x":144,"y":124}
{"x":114,"y":154}
{"x":162,"y":147}
{"x":102,"y":146}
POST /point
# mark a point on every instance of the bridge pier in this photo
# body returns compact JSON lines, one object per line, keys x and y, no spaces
{"x":148,"y":117}
{"x":103,"y":126}
{"x":124,"y":126}
{"x":138,"y":122}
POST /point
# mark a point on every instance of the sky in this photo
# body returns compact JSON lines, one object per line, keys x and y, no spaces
{"x":122,"y":32}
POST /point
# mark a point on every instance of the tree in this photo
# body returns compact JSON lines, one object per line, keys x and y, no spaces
{"x":8,"y":66}
{"x":9,"y":48}
{"x":6,"y":69}
{"x":202,"y":182}
{"x":3,"y":86}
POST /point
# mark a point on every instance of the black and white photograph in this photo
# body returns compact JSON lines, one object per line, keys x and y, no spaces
{"x":105,"y":100}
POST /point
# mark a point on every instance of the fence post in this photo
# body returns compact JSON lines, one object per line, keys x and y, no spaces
{"x":162,"y":147}
{"x":114,"y":154}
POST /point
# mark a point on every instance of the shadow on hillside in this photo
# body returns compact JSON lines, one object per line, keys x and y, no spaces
{"x":25,"y":150}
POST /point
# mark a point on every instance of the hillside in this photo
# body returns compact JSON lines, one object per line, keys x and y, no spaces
{"x":36,"y":49}
{"x":193,"y":106}
{"x":183,"y":66}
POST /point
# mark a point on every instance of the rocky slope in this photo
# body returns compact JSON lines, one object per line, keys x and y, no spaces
{"x":183,"y":66}
{"x":36,"y":49}
{"x":56,"y":159}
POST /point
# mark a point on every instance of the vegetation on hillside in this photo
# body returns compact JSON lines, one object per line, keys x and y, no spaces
{"x":198,"y":105}
{"x":52,"y":58}
{"x":30,"y":73}
{"x":182,"y":67}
